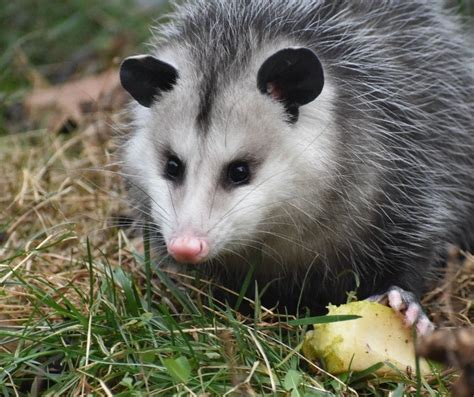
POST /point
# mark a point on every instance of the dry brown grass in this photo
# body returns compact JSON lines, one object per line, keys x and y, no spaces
{"x":57,"y":192}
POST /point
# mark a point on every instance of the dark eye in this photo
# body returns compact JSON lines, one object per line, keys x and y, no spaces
{"x":238,"y":173}
{"x":174,"y":168}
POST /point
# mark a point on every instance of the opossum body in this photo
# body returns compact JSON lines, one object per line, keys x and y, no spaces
{"x":328,"y":143}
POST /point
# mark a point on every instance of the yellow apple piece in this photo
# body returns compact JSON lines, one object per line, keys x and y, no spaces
{"x":378,"y":336}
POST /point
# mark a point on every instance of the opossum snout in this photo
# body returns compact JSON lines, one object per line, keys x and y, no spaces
{"x":188,"y":248}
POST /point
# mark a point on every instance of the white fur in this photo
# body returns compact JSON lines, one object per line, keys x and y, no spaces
{"x":297,"y":157}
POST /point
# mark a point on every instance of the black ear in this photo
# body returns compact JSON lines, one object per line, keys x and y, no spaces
{"x":144,"y":77}
{"x":293,"y":76}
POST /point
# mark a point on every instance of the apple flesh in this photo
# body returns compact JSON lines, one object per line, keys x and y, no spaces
{"x":379,"y":336}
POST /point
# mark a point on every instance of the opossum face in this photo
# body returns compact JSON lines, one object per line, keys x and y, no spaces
{"x":223,"y":169}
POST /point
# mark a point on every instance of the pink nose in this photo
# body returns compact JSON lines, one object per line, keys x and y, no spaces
{"x":188,"y":249}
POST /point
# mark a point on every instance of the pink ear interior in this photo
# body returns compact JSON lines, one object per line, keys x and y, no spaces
{"x":275,"y":91}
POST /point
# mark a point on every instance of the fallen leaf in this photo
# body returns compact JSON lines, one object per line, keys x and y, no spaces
{"x":70,"y":103}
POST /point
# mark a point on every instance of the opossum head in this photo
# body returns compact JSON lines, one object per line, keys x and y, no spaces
{"x":227,"y":160}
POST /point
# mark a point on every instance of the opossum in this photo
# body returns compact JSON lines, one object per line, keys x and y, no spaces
{"x":328,"y":144}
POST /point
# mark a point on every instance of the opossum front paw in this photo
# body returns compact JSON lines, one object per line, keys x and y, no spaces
{"x":405,"y":303}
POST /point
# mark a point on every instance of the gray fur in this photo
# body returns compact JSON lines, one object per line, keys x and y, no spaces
{"x":393,"y":188}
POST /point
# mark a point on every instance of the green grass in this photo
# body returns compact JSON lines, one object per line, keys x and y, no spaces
{"x":53,"y":41}
{"x":51,"y":34}
{"x":108,"y":332}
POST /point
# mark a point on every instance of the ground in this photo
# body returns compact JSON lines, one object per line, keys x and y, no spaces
{"x":82,"y":311}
